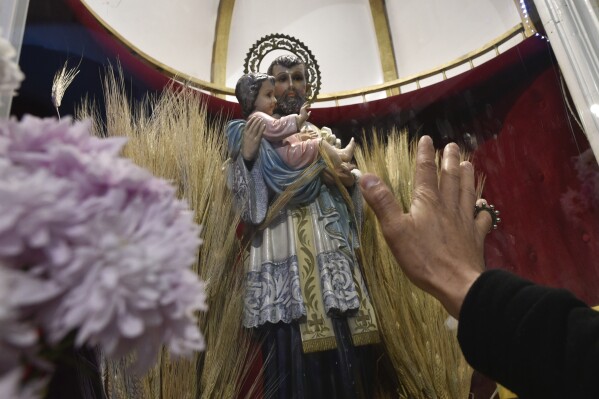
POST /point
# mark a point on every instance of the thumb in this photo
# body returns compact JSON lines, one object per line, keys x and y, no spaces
{"x":380,"y":198}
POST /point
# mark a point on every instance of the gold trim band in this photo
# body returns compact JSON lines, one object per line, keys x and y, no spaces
{"x":368,"y":338}
{"x":221,"y":43}
{"x":319,"y":345}
{"x":385,"y":42}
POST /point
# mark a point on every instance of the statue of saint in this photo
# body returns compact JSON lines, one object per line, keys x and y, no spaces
{"x":305,"y":293}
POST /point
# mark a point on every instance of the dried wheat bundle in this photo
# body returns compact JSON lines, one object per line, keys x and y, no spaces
{"x":419,"y":342}
{"x":172,"y":135}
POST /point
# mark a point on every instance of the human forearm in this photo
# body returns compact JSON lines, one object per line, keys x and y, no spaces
{"x":452,"y":291}
{"x":537,"y":341}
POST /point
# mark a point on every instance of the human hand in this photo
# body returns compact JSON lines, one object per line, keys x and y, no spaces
{"x":439,"y":243}
{"x":252,"y":135}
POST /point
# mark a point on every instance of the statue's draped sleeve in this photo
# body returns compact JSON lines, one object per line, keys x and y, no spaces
{"x":250,"y":193}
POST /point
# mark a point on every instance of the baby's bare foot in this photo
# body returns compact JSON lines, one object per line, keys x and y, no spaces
{"x":347,"y":153}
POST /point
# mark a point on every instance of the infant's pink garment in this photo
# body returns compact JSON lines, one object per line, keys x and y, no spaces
{"x":283,"y":135}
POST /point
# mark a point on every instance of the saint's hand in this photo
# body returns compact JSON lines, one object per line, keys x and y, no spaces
{"x":252,"y":135}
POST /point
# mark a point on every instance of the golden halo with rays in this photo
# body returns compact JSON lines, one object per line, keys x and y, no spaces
{"x":276,"y":41}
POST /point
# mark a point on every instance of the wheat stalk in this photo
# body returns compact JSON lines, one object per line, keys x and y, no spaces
{"x":61,"y":82}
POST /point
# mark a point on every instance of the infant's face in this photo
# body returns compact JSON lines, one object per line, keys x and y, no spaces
{"x":266,"y":101}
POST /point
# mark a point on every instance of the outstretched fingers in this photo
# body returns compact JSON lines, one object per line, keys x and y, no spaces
{"x":425,"y":179}
{"x":449,"y":182}
{"x":467,"y":189}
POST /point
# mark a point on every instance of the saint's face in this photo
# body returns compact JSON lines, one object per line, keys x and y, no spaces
{"x":290,"y":88}
{"x":266,"y":101}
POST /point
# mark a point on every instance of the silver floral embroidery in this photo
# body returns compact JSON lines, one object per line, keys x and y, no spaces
{"x":338,"y":288}
{"x":273,"y":294}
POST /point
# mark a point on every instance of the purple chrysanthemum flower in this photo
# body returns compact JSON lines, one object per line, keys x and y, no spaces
{"x":107,"y":246}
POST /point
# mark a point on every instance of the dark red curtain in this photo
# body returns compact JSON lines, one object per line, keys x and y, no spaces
{"x":544,"y":178}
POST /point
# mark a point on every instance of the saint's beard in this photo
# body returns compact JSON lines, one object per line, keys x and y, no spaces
{"x":287,"y":105}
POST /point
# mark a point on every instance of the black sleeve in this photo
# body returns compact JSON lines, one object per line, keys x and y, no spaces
{"x":539,"y":342}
